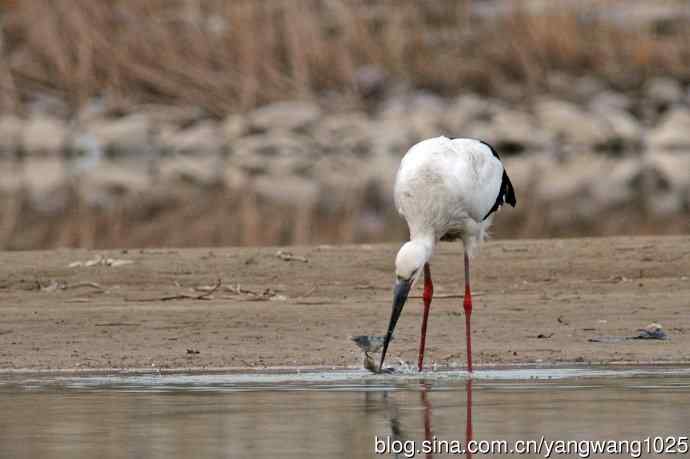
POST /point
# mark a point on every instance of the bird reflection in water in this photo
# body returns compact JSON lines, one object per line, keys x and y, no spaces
{"x":469,"y":435}
{"x":393,"y":414}
{"x":426,"y":404}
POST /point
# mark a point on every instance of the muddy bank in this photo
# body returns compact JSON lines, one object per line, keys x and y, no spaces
{"x":164,"y":308}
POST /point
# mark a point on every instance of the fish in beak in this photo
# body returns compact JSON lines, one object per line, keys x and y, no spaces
{"x":402,"y":289}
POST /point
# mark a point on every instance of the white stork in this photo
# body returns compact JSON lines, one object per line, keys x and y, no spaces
{"x":446,"y":190}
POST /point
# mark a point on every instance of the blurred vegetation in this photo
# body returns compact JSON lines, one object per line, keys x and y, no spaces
{"x":229,"y":56}
{"x":232,"y":56}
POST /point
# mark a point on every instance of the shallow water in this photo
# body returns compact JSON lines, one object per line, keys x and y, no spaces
{"x":335,"y":414}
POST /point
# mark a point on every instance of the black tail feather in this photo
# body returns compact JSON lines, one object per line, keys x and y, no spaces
{"x":506,"y":194}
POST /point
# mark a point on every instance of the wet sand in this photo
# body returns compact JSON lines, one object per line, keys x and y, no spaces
{"x":536,"y":302}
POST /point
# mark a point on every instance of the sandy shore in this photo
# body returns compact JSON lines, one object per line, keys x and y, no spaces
{"x":537,"y":301}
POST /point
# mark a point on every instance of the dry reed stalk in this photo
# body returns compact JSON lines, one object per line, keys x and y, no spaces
{"x":231,"y":56}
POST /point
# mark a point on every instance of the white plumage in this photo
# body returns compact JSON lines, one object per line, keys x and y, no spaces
{"x":448,"y":187}
{"x":445,"y":189}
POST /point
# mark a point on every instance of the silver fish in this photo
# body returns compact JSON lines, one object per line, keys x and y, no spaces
{"x":370,"y":344}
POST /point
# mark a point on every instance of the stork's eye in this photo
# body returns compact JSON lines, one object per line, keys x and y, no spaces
{"x":407,"y":279}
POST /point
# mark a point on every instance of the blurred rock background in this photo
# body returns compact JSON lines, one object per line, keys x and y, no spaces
{"x":132,"y":123}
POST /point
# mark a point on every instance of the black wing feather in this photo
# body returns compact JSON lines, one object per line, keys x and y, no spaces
{"x":506,"y":194}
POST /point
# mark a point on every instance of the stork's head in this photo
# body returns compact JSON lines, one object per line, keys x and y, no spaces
{"x":410,"y":260}
{"x":409,"y":264}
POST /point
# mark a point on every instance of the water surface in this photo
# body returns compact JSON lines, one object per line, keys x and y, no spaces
{"x":332,"y":414}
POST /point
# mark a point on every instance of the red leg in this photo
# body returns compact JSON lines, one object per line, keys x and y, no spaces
{"x":467,"y":304}
{"x":428,"y":294}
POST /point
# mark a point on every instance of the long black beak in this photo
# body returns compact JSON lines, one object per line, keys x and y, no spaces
{"x":402,"y":288}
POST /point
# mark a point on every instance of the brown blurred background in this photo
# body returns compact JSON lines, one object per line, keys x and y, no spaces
{"x":138,"y":123}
